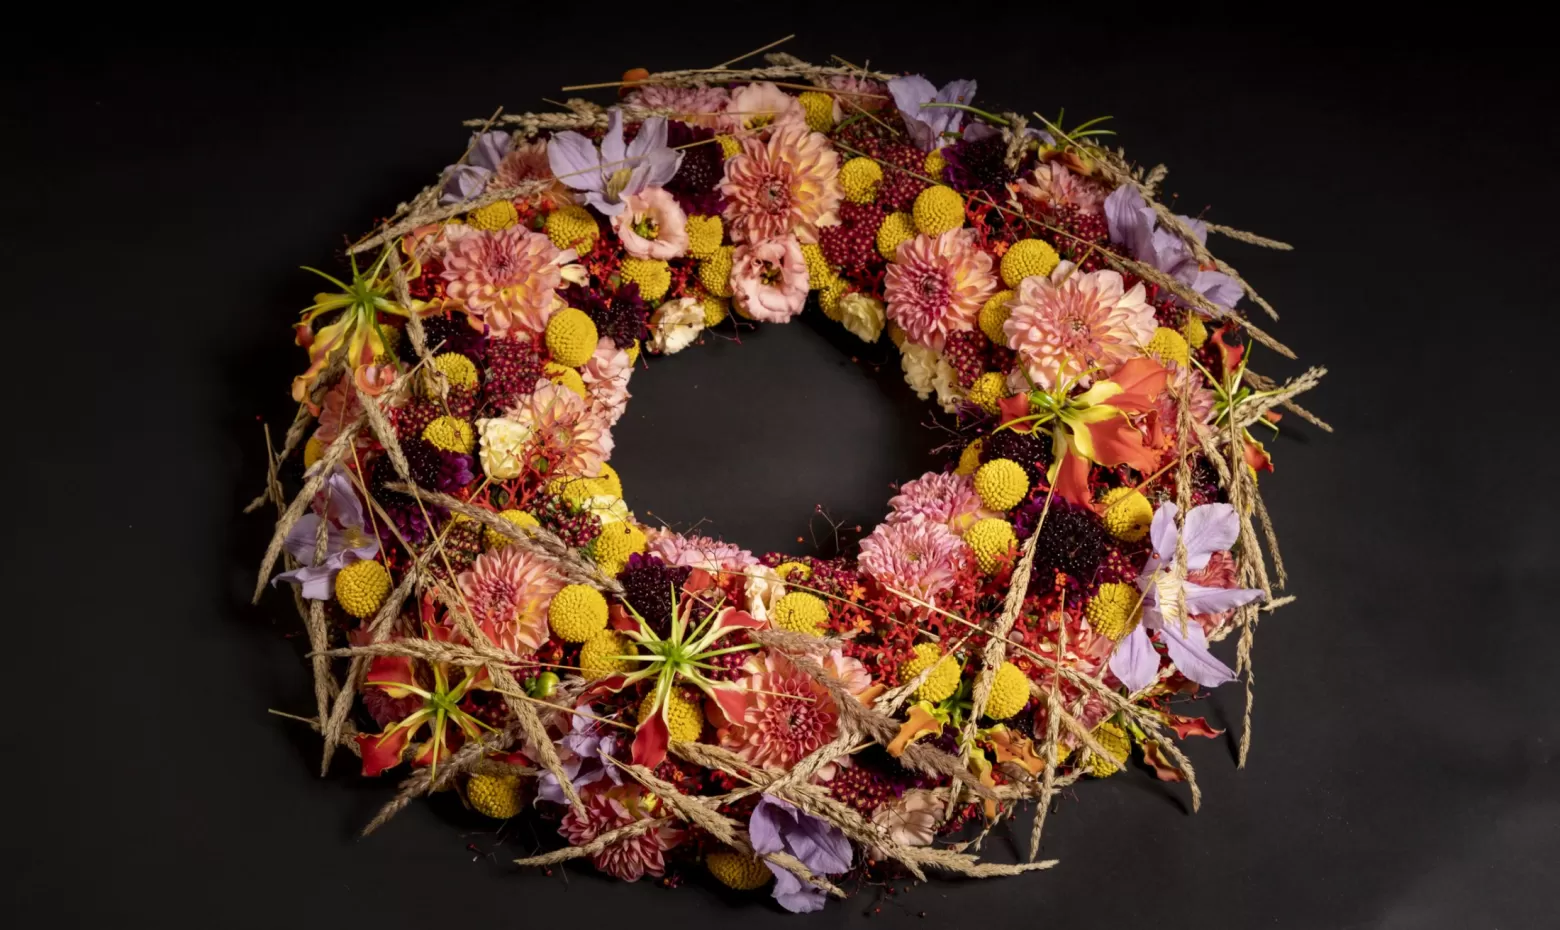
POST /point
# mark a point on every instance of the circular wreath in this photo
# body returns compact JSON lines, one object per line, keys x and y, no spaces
{"x":486,"y":613}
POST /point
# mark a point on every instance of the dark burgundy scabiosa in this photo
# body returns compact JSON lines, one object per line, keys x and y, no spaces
{"x":436,"y":469}
{"x":852,"y":245}
{"x":966,"y":353}
{"x":697,"y":179}
{"x":979,"y":165}
{"x":1032,"y":451}
{"x":619,"y":315}
{"x":1205,"y":483}
{"x":648,"y":583}
{"x":1072,"y":539}
{"x":903,"y":168}
{"x":447,"y":334}
{"x":404,"y":510}
{"x":513,"y":367}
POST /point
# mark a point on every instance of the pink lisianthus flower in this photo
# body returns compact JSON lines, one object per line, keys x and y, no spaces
{"x":652,"y":225}
{"x":917,"y":556}
{"x":761,"y":106}
{"x":1076,"y":325}
{"x":769,"y":279}
{"x":936,"y":286}
{"x":631,"y":858}
{"x":606,"y":382}
{"x":941,"y":497}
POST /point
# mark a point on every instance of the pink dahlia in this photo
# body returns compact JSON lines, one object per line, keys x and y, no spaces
{"x":789,"y":184}
{"x":761,"y":106}
{"x":916,"y":556}
{"x":936,"y":285}
{"x":769,"y":279}
{"x":563,"y":431}
{"x":859,"y":93}
{"x":1052,"y":184}
{"x":628,"y":859}
{"x":940,"y":497}
{"x":505,"y":278}
{"x":1075,"y":325}
{"x":652,"y":225}
{"x":508,"y":591}
{"x":712,"y":555}
{"x":526,"y":162}
{"x":785,"y":714}
{"x":606,"y":382}
{"x":696,"y":106}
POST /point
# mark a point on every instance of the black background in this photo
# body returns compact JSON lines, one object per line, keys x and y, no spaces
{"x":163,"y":194}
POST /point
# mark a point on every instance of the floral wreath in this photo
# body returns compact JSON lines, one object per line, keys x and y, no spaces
{"x":485,"y":610}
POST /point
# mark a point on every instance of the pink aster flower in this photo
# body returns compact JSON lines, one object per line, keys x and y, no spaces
{"x":606,"y":382}
{"x":769,"y":279}
{"x":785,"y":714}
{"x":508,"y":591}
{"x":652,"y":225}
{"x":1052,"y":184}
{"x":696,"y":106}
{"x":628,"y":859}
{"x":1075,"y":325}
{"x":505,"y":279}
{"x":712,"y":555}
{"x":762,"y":106}
{"x":524,"y":163}
{"x":916,"y":556}
{"x":936,"y":286}
{"x":940,"y":497}
{"x":788,"y":184}
{"x":563,"y":431}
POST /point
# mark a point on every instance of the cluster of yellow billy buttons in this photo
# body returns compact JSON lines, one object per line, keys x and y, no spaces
{"x":1009,"y":686}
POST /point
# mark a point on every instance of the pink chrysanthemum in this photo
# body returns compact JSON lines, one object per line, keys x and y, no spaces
{"x":696,"y":106}
{"x":789,"y":184}
{"x":508,"y":591}
{"x":526,"y":162}
{"x":936,"y":285}
{"x":1077,"y":325}
{"x":916,"y":556}
{"x":1184,"y":381}
{"x":941,"y":497}
{"x":652,"y":225}
{"x":712,"y":555}
{"x":606,"y":382}
{"x":1052,"y":184}
{"x":563,"y":431}
{"x":769,"y":279}
{"x":629,"y":859}
{"x":505,"y":279}
{"x":785,"y":714}
{"x":760,"y":106}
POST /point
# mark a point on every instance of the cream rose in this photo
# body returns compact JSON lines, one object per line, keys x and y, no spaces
{"x":675,"y":325}
{"x":862,"y":316}
{"x":503,"y":447}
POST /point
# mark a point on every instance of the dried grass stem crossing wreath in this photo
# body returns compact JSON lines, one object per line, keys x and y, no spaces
{"x":485,"y":610}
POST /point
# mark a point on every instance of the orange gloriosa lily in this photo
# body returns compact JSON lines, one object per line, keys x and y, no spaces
{"x":397,"y":677}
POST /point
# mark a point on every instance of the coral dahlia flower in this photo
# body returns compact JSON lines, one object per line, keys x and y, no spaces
{"x":504,"y":279}
{"x":1074,"y":325}
{"x":784,"y":714}
{"x":936,"y":285}
{"x":769,"y":279}
{"x":563,"y":430}
{"x":788,"y":184}
{"x":508,"y":591}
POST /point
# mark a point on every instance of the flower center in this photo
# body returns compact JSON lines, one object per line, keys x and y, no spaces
{"x":646,"y":227}
{"x":617,"y":181}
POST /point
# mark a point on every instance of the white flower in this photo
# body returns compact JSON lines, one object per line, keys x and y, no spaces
{"x":946,"y":381}
{"x":920,"y":365}
{"x":862,"y":316}
{"x":910,"y":820}
{"x":609,"y":509}
{"x":675,"y":325}
{"x":762,"y":589}
{"x":503,"y":447}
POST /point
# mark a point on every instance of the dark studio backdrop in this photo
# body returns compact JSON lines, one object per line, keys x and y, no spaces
{"x":1403,"y":772}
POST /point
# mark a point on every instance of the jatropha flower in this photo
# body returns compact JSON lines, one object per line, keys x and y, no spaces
{"x":940,"y":497}
{"x":769,"y":279}
{"x":1209,"y":528}
{"x":346,"y":541}
{"x":505,"y":279}
{"x":652,"y":225}
{"x":918,"y":101}
{"x":441,"y":689}
{"x":1073,"y":323}
{"x":618,"y":168}
{"x":779,"y":827}
{"x":357,"y":334}
{"x":631,"y":858}
{"x":936,"y":285}
{"x":784,"y":714}
{"x":788,"y":184}
{"x":916,"y":556}
{"x":564,"y":435}
{"x":508,"y":591}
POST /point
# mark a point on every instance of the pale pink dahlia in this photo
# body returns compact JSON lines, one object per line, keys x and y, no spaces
{"x":1052,"y":184}
{"x":789,"y":184}
{"x":941,"y":497}
{"x":505,"y":278}
{"x":761,"y":106}
{"x":606,"y":382}
{"x":1077,"y":325}
{"x":526,"y":162}
{"x":508,"y":591}
{"x":712,"y":555}
{"x":696,"y":106}
{"x":785,"y":714}
{"x":769,"y":279}
{"x":563,"y":431}
{"x":916,"y":556}
{"x":652,"y":225}
{"x":629,"y":859}
{"x":936,"y":286}
{"x":859,"y":93}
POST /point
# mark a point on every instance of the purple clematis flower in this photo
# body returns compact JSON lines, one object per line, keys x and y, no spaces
{"x":469,"y":178}
{"x":777,"y":826}
{"x":590,"y":745}
{"x":346,"y":541}
{"x":1209,"y":528}
{"x":927,"y":124}
{"x":1133,"y":224}
{"x":617,"y":169}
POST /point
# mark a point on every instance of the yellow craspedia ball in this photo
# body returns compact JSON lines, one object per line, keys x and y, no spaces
{"x":602,"y":655}
{"x":829,"y":297}
{"x":571,"y":337}
{"x":651,"y":274}
{"x":737,"y":871}
{"x":729,"y":146}
{"x":573,"y":489}
{"x":715,"y":272}
{"x":496,"y":796}
{"x":565,"y":376}
{"x":457,"y":369}
{"x":992,"y":540}
{"x":859,"y":179}
{"x":969,"y":459}
{"x":616,"y":543}
{"x":684,"y":716}
{"x":609,"y":481}
{"x":497,"y":540}
{"x":934,"y":164}
{"x":798,"y":570}
{"x":577,"y":613}
{"x":704,"y":235}
{"x":1009,"y":692}
{"x":1167,"y":345}
{"x":987,"y":391}
{"x":819,"y":271}
{"x":1127,"y":513}
{"x":1001,"y":484}
{"x":716,"y":309}
{"x":1114,"y":739}
{"x":800,"y":612}
{"x":571,"y":227}
{"x":938,"y":209}
{"x":897,"y":228}
{"x":450,"y":434}
{"x":1028,"y":257}
{"x":819,"y":110}
{"x":500,"y":214}
{"x":993,"y":313}
{"x":1114,"y":610}
{"x":1195,"y":331}
{"x":941,"y":683}
{"x":313,"y":451}
{"x":362,"y":587}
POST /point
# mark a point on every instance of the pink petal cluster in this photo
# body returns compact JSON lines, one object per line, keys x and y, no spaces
{"x":696,"y":106}
{"x":505,"y":279}
{"x":936,"y":286}
{"x":631,"y":858}
{"x":916,"y":556}
{"x":508,"y":591}
{"x":1076,"y":325}
{"x":526,"y":162}
{"x":860,"y":93}
{"x":1052,"y":184}
{"x":760,"y":106}
{"x":769,"y":279}
{"x":563,"y":431}
{"x":606,"y":382}
{"x":652,"y":225}
{"x":785,"y":714}
{"x":712,"y":555}
{"x":940,"y":497}
{"x":788,"y":184}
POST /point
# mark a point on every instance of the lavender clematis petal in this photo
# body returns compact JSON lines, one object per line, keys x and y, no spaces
{"x":777,"y":826}
{"x":1209,"y":529}
{"x":949,"y":119}
{"x":1190,"y":654}
{"x":1135,"y":662}
{"x":1131,"y":222}
{"x":301,"y":539}
{"x":1198,"y":227}
{"x":574,"y":161}
{"x":613,"y":152}
{"x":488,"y":149}
{"x":1217,"y":286}
{"x":793,"y":894}
{"x":651,"y":137}
{"x":463,"y":182}
{"x":1162,"y":532}
{"x":1205,"y":600}
{"x":977,"y":131}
